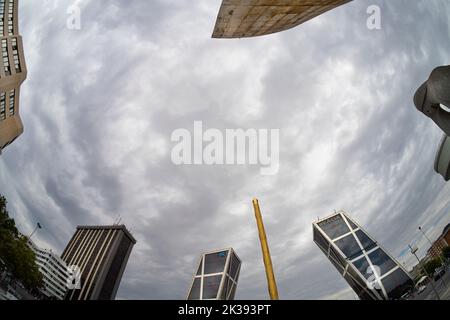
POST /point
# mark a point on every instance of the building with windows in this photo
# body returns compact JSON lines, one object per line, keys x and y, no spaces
{"x":13,"y":73}
{"x":369,"y":269}
{"x":251,"y":18}
{"x":54,"y":271}
{"x":101,"y":253}
{"x":216,"y":277}
{"x":440,"y":244}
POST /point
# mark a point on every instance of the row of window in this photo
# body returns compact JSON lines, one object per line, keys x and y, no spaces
{"x":2,"y":16}
{"x":11,"y":109}
{"x":5,"y":56}
{"x":10,"y":17}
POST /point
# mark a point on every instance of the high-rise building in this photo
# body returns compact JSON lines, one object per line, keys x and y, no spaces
{"x":216,"y":277}
{"x":54,"y":271}
{"x":371,"y":272}
{"x":13,"y":72}
{"x":101,"y":253}
{"x":251,"y":18}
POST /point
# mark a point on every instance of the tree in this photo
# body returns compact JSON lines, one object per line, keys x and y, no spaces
{"x":446,"y":252}
{"x":432,"y":265}
{"x":16,"y":255}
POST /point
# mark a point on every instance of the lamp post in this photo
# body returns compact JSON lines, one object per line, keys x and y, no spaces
{"x":414,"y":252}
{"x":38,"y":226}
{"x":435,"y":251}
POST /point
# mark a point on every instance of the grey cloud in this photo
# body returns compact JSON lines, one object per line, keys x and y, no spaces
{"x":100,"y":104}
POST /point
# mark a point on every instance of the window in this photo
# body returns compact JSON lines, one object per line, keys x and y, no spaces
{"x":397,"y":283}
{"x":366,"y":242}
{"x":363,"y":266}
{"x":381,"y":259}
{"x":5,"y":57}
{"x":16,"y":55}
{"x":349,"y":247}
{"x":12,"y":98}
{"x":2,"y":106}
{"x":11,"y":18}
{"x":2,"y":16}
{"x":211,"y":287}
{"x":195,"y":291}
{"x":215,"y":262}
{"x":320,"y":240}
{"x":334,"y":227}
{"x":234,"y":266}
{"x":199,"y":271}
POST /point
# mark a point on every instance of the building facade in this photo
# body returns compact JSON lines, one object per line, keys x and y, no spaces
{"x":13,"y":72}
{"x":371,"y":272}
{"x":442,"y":242}
{"x":251,"y":18}
{"x":216,"y":277}
{"x":54,"y":271}
{"x":101,"y":254}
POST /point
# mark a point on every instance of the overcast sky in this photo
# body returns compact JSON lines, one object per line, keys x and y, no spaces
{"x":100,"y":104}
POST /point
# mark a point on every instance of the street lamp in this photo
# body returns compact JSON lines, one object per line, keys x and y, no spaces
{"x":414,"y":252}
{"x":433,"y":100}
{"x":38,"y":226}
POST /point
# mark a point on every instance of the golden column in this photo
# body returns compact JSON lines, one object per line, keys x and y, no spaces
{"x":273,"y":291}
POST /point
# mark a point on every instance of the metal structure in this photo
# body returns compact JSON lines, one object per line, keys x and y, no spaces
{"x":371,"y":272}
{"x":433,"y":100}
{"x":216,"y":277}
{"x":251,"y":18}
{"x":272,"y":284}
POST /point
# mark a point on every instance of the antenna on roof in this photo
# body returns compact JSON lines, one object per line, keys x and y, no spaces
{"x":119,"y":220}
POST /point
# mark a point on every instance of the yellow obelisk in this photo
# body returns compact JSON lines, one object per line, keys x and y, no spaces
{"x":273,"y":291}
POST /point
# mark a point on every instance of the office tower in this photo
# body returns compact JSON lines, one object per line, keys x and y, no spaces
{"x":54,"y":271}
{"x":101,"y":253}
{"x":371,"y":272}
{"x":217,"y":276}
{"x":251,"y":18}
{"x":13,"y":73}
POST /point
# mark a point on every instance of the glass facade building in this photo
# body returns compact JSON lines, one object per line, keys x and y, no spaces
{"x":216,"y":277}
{"x":371,"y":272}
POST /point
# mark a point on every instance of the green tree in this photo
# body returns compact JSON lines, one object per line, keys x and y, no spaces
{"x":446,"y":252}
{"x":432,"y":265}
{"x":15,"y":254}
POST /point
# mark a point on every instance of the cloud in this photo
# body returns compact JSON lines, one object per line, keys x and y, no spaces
{"x":100,"y":104}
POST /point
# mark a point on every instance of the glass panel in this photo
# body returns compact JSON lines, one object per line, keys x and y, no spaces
{"x":320,"y":239}
{"x":215,"y":262}
{"x":363,"y":266}
{"x":397,"y":283}
{"x":349,"y":246}
{"x":381,"y":260}
{"x":195,"y":291}
{"x":232,"y":294}
{"x":337,"y":261}
{"x":211,"y":287}
{"x":223,"y":294}
{"x":334,"y":227}
{"x":234,"y":266}
{"x":230,"y":284}
{"x":199,"y":271}
{"x":352,"y":225}
{"x":366,"y":242}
